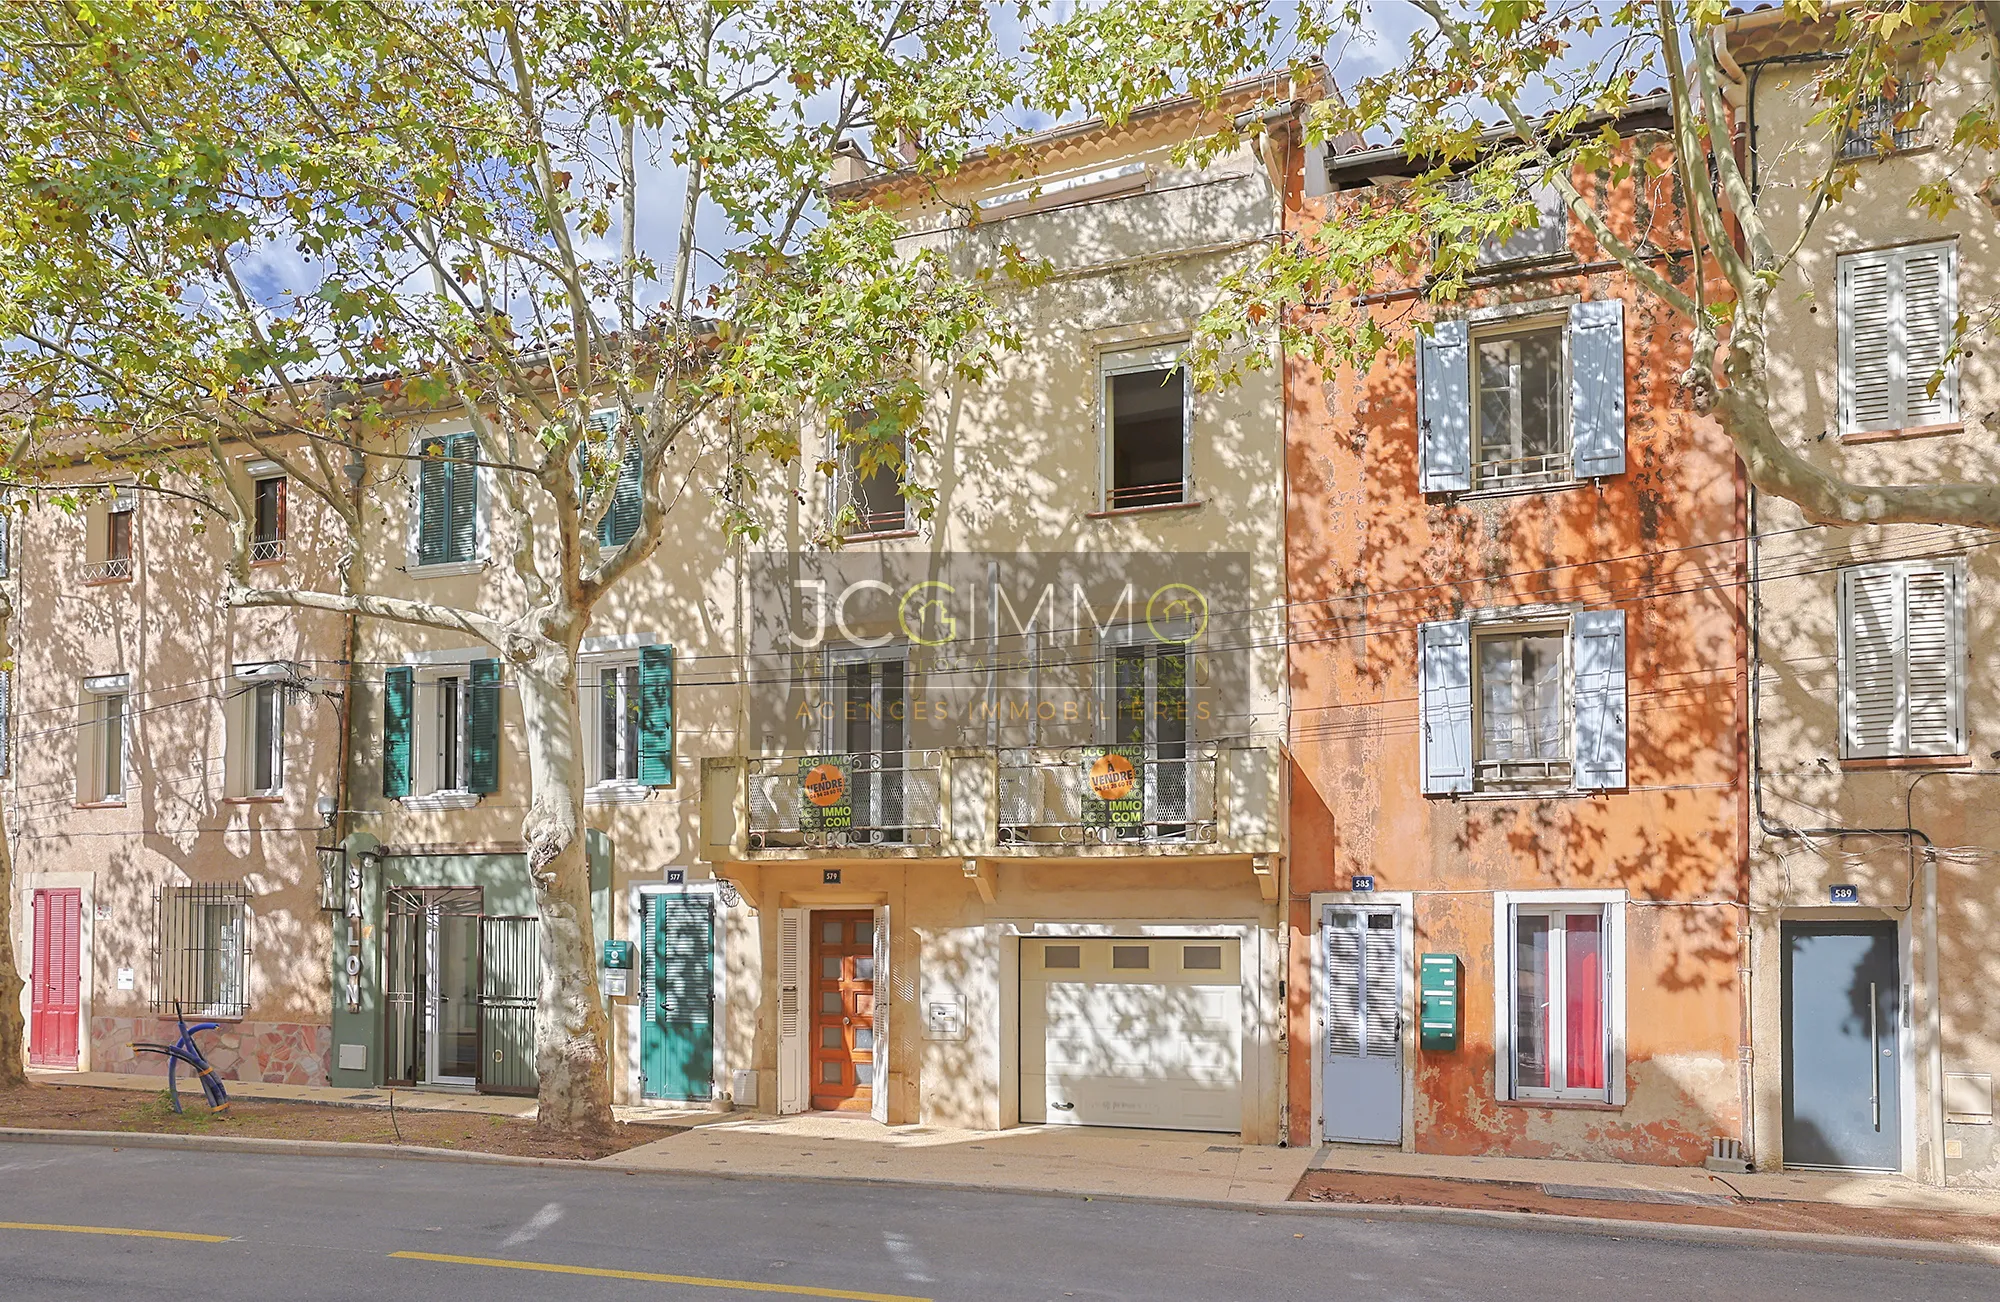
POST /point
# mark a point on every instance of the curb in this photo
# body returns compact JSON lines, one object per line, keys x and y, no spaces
{"x":279,"y":1147}
{"x":1729,"y":1236}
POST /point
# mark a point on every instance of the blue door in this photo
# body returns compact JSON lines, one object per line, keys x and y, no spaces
{"x":677,"y":996}
{"x":1843,"y":1027}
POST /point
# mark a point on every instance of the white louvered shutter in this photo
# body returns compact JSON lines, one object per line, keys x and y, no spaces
{"x":1902,"y":653}
{"x":791,"y":1043}
{"x":1444,"y":706}
{"x":1898,"y":314}
{"x":1933,"y":714}
{"x":1872,"y":648}
{"x":1930,"y":293}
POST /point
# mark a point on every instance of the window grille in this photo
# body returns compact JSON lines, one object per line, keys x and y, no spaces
{"x":204,"y":941}
{"x":1876,"y":131}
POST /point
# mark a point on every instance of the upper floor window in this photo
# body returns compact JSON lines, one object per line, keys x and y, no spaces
{"x":267,"y":538}
{"x":1547,"y":238}
{"x":1898,"y":316}
{"x":621,"y":515}
{"x":629,"y":721}
{"x":441,"y":731}
{"x":1522,"y":402}
{"x":1149,"y":708}
{"x":1887,"y":123}
{"x":110,"y":537}
{"x":875,"y":493}
{"x":1530,"y":705}
{"x":255,"y":761}
{"x":101,"y":738}
{"x":1148,"y":415}
{"x":1902,"y":660}
{"x":447,"y":523}
{"x":1521,"y":380}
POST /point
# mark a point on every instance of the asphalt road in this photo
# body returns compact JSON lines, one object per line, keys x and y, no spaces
{"x":268,"y":1228}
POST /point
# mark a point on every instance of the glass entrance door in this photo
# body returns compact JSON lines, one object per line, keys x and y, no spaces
{"x":432,"y":986}
{"x":453,"y":1011}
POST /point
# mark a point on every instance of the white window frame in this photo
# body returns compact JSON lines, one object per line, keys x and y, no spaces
{"x":1564,"y":455}
{"x":1899,"y":352}
{"x":94,"y":777}
{"x":1954,"y":568}
{"x":239,"y":765}
{"x":846,"y":489}
{"x":601,"y":789}
{"x":482,"y":496}
{"x":1128,"y":360}
{"x":1487,"y":630}
{"x":267,"y":551}
{"x":427,"y":746}
{"x":1507,"y":906}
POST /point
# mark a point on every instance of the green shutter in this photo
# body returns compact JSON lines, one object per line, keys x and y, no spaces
{"x":621,"y":521}
{"x":656,"y":716}
{"x":464,"y":451}
{"x":399,"y":690}
{"x":482,"y":729}
{"x":433,"y":491}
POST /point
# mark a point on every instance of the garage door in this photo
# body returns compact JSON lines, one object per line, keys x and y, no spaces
{"x":1139,"y":1032}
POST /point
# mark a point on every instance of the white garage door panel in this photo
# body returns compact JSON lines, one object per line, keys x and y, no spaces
{"x":1145,"y":1033}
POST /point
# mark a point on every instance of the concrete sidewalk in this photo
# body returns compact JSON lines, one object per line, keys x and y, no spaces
{"x":1856,"y":1190}
{"x":1058,"y":1159}
{"x":406,"y":1099}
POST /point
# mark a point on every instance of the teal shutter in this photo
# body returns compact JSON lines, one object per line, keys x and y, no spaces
{"x":677,"y":998}
{"x":621,"y":521}
{"x":482,"y":729}
{"x":433,"y":494}
{"x":399,"y":690}
{"x":464,"y":477}
{"x":656,"y":716}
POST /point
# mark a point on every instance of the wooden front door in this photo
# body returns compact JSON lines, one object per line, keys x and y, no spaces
{"x":54,"y":1001}
{"x":843,"y":1004}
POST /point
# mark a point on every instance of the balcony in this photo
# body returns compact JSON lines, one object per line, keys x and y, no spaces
{"x":1198,"y":799}
{"x":889,"y":798}
{"x":1045,"y":798}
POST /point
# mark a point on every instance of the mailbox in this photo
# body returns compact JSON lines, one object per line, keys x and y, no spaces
{"x":617,"y":953}
{"x":1437,"y":1010}
{"x":614,"y":977}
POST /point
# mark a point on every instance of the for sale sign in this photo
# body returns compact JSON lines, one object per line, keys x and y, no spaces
{"x":1114,"y":787}
{"x":826,"y":795}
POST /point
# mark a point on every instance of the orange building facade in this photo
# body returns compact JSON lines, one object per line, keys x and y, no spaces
{"x":1515,"y":564}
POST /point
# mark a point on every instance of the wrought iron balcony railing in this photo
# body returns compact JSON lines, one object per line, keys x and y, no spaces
{"x":826,"y":801}
{"x":1067,"y":797}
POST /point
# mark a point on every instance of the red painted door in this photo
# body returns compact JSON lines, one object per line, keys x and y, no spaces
{"x":54,"y":1004}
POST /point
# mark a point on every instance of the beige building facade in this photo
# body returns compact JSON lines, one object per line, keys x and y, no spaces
{"x":973,"y":820}
{"x":1875,"y":1040}
{"x":167,"y":760}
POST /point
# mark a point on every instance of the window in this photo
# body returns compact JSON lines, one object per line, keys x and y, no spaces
{"x":621,"y":515}
{"x":267,"y":541}
{"x":870,"y":722}
{"x":1561,"y":1019}
{"x":875,"y":494}
{"x":110,"y":543}
{"x":1886,"y":124}
{"x":628,"y":722}
{"x":441,"y":732}
{"x":1147,"y":417}
{"x":1547,"y":238}
{"x":1149,"y":709}
{"x":1527,"y":702}
{"x":101,"y":740}
{"x":1523,"y":698}
{"x":1898,"y":320}
{"x":203,"y":940}
{"x":617,"y":749}
{"x":1521,"y":400}
{"x":1902,"y":660}
{"x":1131,"y":957}
{"x":256,"y":759}
{"x":447,"y":523}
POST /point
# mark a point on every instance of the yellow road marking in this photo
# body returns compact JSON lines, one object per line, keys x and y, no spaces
{"x":692,"y":1281}
{"x":112,"y":1229}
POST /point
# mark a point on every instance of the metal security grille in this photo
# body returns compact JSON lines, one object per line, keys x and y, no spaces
{"x":204,"y":938}
{"x":408,"y":955}
{"x":510,"y":979}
